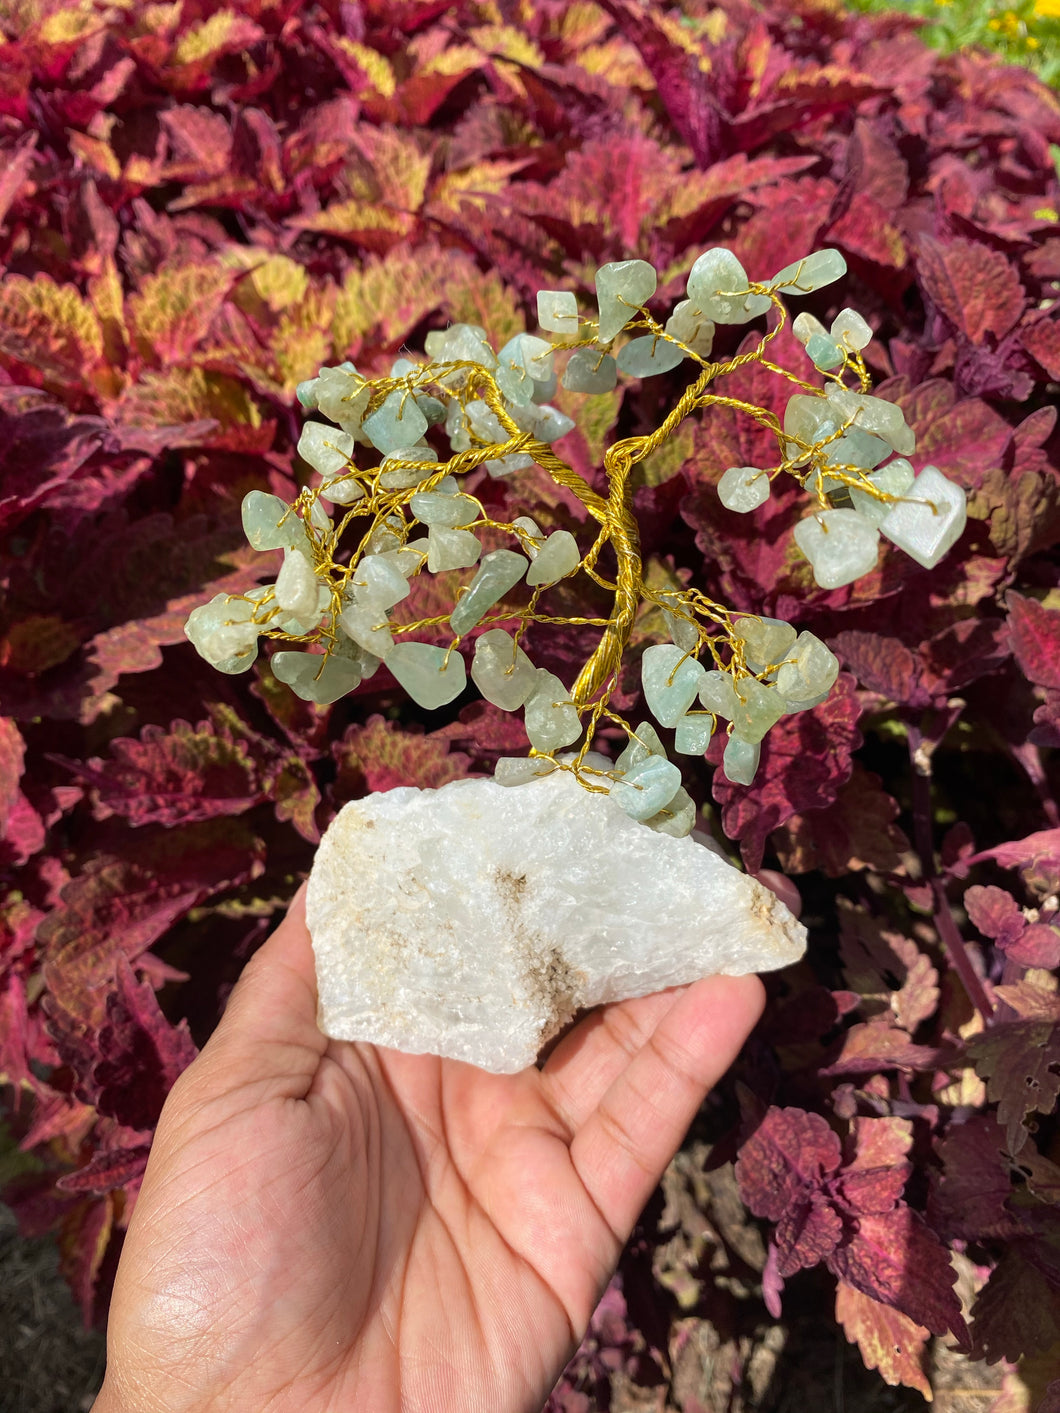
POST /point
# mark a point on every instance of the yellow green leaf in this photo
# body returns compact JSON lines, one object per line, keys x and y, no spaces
{"x":174,"y":308}
{"x":484,"y":300}
{"x":376,"y":66}
{"x":51,"y":328}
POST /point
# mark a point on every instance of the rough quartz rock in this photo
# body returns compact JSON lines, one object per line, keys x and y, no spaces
{"x":475,"y":920}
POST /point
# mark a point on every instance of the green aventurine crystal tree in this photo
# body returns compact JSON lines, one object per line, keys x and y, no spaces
{"x":345,"y":572}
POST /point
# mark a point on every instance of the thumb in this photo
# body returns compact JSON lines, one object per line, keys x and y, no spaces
{"x":267,"y":1040}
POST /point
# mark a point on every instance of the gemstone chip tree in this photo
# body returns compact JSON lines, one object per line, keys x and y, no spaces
{"x":393,"y":455}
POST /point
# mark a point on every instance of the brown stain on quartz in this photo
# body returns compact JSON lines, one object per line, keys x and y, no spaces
{"x":552,"y":984}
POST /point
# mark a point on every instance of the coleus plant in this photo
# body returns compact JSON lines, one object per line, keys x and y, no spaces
{"x":200,"y":210}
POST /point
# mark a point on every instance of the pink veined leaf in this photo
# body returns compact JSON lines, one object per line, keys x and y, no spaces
{"x":888,"y":1340}
{"x":1035,"y":634}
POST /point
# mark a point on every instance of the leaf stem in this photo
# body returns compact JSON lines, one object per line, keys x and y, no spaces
{"x":920,"y":750}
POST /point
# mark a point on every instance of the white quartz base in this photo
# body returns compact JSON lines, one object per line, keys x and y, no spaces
{"x":475,"y":920}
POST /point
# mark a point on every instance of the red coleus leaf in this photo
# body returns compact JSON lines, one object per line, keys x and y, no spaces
{"x":1018,"y":1310}
{"x":896,"y":1258}
{"x":968,"y":1198}
{"x":883,"y":665}
{"x":137,"y":1054}
{"x":888,"y":1340}
{"x":83,"y":1236}
{"x":890,"y":972}
{"x":879,"y":1046}
{"x":976,"y":288}
{"x":1035,"y":632}
{"x":782,"y":1170}
{"x":12,"y":754}
{"x":873,"y":1179}
{"x":995,"y":913}
{"x":381,"y":755}
{"x":855,"y":832}
{"x":1037,"y":856}
{"x":805,"y":760}
{"x":173,"y":776}
{"x":107,"y":1170}
{"x":124,"y":904}
{"x":1041,"y":339}
{"x":1020,"y":1060}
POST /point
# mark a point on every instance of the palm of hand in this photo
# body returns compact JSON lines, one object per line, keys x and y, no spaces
{"x":325,"y":1225}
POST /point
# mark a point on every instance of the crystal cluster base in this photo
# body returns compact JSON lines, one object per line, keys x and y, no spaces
{"x":474,"y":921}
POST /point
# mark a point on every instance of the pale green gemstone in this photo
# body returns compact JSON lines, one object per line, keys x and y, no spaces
{"x":692,"y":734}
{"x":714,"y":285}
{"x":306,"y":393}
{"x":644,"y":744}
{"x":397,"y":424}
{"x":545,"y":388}
{"x":677,"y":818}
{"x":221,"y":633}
{"x":378,"y":580}
{"x":621,"y":288}
{"x":550,"y":424}
{"x":367,"y":663}
{"x":460,"y":343}
{"x":718,"y":695}
{"x":647,"y":788}
{"x":760,"y":709}
{"x":558,"y":557}
{"x":850,"y":328}
{"x":550,"y":717}
{"x":386,"y":536}
{"x":501,"y":671}
{"x":557,"y":311}
{"x":312,"y":678}
{"x":517,"y":770}
{"x":874,"y":414}
{"x":451,"y":549}
{"x":484,"y":423}
{"x":590,"y":370}
{"x":812,"y":272}
{"x":804,"y":326}
{"x":931,"y":521}
{"x":811,"y":419}
{"x":533,"y":540}
{"x":262,"y":514}
{"x":644,"y":357}
{"x":300,"y":625}
{"x":840,"y":546}
{"x":740,"y":761}
{"x":397,"y":476}
{"x":499,"y":466}
{"x":366,"y":624}
{"x":743,"y":488}
{"x":407,"y":560}
{"x":421,"y":669}
{"x":691,"y":327}
{"x":443,"y":508}
{"x":344,"y":491}
{"x":894,"y":479}
{"x":499,"y":571}
{"x":858,"y":448}
{"x":297,"y":585}
{"x":809,"y":672}
{"x":523,"y":361}
{"x":682,"y":632}
{"x":342,"y":395}
{"x":823,"y":352}
{"x":765,"y":640}
{"x":326,"y":449}
{"x":671,"y":681}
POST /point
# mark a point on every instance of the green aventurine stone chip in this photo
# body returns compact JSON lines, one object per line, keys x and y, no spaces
{"x":262,"y":514}
{"x":645,"y":744}
{"x":677,"y":818}
{"x":894,"y":479}
{"x":312,"y":678}
{"x":556,"y":558}
{"x":499,"y":571}
{"x":812,"y":272}
{"x":644,"y":357}
{"x":647,"y":788}
{"x":451,"y":549}
{"x":766,"y":640}
{"x":550,"y":717}
{"x":671,"y":681}
{"x":590,"y":370}
{"x":621,"y":288}
{"x":759,"y":709}
{"x":557,"y":311}
{"x":422,"y":671}
{"x":398,"y":423}
{"x":439,"y":508}
{"x":692,"y":734}
{"x":740,"y":760}
{"x":501,"y":671}
{"x":823,"y":352}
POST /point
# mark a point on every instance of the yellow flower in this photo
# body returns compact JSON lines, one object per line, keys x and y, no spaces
{"x":1047,"y":9}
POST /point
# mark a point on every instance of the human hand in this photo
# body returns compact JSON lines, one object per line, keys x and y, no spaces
{"x":326,"y":1225}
